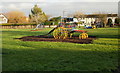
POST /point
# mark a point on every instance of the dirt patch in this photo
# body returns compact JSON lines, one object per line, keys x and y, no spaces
{"x":74,"y":39}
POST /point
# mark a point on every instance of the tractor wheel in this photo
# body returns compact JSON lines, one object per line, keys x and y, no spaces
{"x":64,"y":34}
{"x":94,"y":27}
{"x":60,"y":33}
{"x":71,"y":35}
{"x":83,"y":36}
{"x":56,"y":33}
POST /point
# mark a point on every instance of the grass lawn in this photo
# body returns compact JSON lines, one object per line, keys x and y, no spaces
{"x":59,"y":56}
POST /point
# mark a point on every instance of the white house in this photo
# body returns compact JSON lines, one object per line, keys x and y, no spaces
{"x":3,"y":18}
{"x":90,"y":19}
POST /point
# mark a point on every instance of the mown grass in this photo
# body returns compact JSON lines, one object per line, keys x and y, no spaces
{"x":59,"y":56}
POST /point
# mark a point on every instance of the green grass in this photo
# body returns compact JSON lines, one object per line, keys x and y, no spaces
{"x":59,"y":56}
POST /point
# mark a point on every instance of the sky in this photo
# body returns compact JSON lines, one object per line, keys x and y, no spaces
{"x":56,"y":7}
{"x":60,"y":0}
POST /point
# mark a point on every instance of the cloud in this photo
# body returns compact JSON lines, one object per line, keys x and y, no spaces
{"x":56,"y":9}
{"x":1,"y":6}
{"x":25,"y":5}
{"x":23,"y":0}
{"x":59,"y":0}
{"x":12,"y":6}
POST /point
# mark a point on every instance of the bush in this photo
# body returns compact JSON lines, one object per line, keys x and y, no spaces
{"x":117,"y":21}
{"x":18,"y":24}
{"x":109,"y":23}
{"x":50,"y":23}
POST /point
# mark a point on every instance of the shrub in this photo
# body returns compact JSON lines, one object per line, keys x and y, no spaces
{"x":109,"y":23}
{"x":50,"y":22}
{"x":18,"y":24}
{"x":117,"y":21}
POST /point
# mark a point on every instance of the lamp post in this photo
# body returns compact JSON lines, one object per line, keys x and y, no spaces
{"x":119,"y":9}
{"x":64,"y":13}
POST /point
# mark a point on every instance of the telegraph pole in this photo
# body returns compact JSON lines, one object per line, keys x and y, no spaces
{"x":64,"y":13}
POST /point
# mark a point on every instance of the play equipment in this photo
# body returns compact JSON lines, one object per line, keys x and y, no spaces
{"x":66,"y":29}
{"x":38,"y":27}
{"x":66,"y":32}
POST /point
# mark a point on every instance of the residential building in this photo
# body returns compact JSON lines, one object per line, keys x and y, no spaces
{"x":3,"y":18}
{"x":92,"y":18}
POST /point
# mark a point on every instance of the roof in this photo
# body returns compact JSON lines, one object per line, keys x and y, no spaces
{"x":3,"y":14}
{"x":97,"y":15}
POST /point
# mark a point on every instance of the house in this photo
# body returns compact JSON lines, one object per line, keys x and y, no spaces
{"x":3,"y":18}
{"x":92,"y":18}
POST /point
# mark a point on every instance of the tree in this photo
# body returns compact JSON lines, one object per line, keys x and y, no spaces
{"x":117,"y":21}
{"x":53,"y":21}
{"x":56,"y":19}
{"x":48,"y":16}
{"x":70,"y":15}
{"x":37,"y":15}
{"x":103,"y":19}
{"x":16,"y":17}
{"x":109,"y":22}
{"x":78,"y":15}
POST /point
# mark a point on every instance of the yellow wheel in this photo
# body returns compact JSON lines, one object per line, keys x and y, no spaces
{"x":60,"y":33}
{"x":64,"y":34}
{"x":83,"y":36}
{"x":55,"y":33}
{"x":94,"y":27}
{"x":71,"y":35}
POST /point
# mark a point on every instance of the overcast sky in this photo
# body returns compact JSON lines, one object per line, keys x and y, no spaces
{"x":56,"y":7}
{"x":60,"y":0}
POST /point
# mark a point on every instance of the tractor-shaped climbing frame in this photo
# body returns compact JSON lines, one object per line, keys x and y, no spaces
{"x":67,"y":32}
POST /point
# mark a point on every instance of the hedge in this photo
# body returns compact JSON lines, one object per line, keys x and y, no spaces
{"x":49,"y":22}
{"x":18,"y":24}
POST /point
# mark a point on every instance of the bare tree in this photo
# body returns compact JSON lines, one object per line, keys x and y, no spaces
{"x":16,"y":17}
{"x":48,"y":16}
{"x":79,"y":14}
{"x":70,"y":15}
{"x":103,"y":19}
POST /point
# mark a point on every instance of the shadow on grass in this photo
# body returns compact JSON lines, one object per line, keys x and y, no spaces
{"x":53,"y":59}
